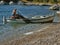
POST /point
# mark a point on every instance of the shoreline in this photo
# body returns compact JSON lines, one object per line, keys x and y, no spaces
{"x":48,"y":36}
{"x":33,"y":3}
{"x":40,"y":4}
{"x":27,"y":30}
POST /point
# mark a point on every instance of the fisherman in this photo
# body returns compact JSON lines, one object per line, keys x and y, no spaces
{"x":15,"y":14}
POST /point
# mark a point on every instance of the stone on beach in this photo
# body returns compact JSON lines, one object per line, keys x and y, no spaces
{"x":49,"y":36}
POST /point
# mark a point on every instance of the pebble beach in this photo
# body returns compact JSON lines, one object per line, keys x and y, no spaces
{"x":49,"y":34}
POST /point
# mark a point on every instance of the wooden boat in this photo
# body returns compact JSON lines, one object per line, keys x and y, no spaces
{"x":35,"y":19}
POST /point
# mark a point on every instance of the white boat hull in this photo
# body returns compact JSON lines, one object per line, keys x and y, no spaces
{"x":41,"y":20}
{"x":17,"y":20}
{"x":54,"y":7}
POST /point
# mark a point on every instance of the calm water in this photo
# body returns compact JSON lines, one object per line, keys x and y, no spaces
{"x":28,"y":11}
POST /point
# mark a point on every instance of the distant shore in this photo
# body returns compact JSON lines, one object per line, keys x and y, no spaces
{"x":39,"y":4}
{"x":32,"y":3}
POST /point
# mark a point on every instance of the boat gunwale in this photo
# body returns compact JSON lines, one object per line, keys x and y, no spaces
{"x":43,"y":18}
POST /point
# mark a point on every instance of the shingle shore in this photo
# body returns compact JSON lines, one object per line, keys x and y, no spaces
{"x":49,"y":36}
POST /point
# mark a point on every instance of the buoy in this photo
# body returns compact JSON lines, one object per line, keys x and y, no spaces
{"x":4,"y":20}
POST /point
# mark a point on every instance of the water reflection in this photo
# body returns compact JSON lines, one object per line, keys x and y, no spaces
{"x":17,"y":24}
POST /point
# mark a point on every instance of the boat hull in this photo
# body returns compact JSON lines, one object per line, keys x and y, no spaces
{"x":41,"y":20}
{"x":55,"y":7}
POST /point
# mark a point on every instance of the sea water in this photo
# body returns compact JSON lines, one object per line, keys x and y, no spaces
{"x":27,"y":11}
